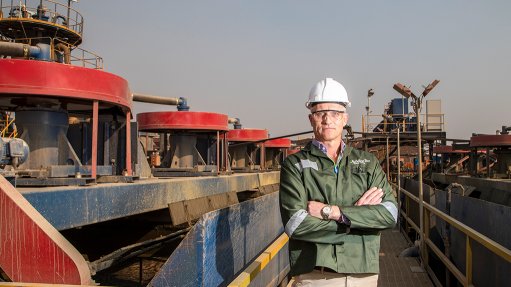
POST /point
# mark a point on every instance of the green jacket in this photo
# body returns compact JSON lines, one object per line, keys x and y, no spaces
{"x":309,"y":175}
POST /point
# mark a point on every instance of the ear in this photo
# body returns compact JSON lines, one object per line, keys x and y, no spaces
{"x":344,"y":120}
{"x":311,"y":120}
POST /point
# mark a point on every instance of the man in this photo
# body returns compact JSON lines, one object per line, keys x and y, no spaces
{"x":334,"y":200}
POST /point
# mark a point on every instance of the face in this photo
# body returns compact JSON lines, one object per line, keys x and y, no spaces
{"x":328,"y":127}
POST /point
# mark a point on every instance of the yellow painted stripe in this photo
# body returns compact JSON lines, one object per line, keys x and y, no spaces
{"x":260,"y":263}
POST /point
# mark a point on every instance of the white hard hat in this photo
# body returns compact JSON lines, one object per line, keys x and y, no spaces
{"x":328,"y":91}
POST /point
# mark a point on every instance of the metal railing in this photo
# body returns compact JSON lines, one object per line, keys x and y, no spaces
{"x":51,"y":11}
{"x":87,"y":59}
{"x":470,"y":233}
{"x":7,"y":122}
{"x":78,"y":56}
{"x":386,"y":123}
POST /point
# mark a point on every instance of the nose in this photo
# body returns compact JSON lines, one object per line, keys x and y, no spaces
{"x":326,"y":119}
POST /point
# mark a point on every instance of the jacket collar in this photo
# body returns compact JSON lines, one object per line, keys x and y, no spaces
{"x":318,"y":149}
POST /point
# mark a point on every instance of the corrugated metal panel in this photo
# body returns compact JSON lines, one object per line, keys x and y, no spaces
{"x":491,"y":220}
{"x":223,"y":243}
{"x":428,"y":194}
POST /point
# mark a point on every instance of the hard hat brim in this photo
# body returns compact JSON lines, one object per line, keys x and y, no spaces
{"x":309,"y":104}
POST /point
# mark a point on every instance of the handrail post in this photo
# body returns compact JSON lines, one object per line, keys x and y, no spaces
{"x":468,"y":263}
{"x":407,"y":211}
{"x":417,"y":108}
{"x":68,"y":12}
{"x":387,"y":157}
{"x":426,"y":236}
{"x":447,"y":236}
{"x":398,"y":176}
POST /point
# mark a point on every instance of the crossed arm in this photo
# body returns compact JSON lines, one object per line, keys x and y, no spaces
{"x":375,"y":209}
{"x":372,"y":196}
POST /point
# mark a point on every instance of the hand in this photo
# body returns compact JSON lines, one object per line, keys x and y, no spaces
{"x":314,"y":209}
{"x":371,"y":197}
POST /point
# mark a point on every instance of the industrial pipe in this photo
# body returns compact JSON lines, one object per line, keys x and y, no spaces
{"x":64,"y":49}
{"x":268,"y":139}
{"x":236,"y":123}
{"x":39,"y":52}
{"x":181,"y":103}
{"x":14,"y":49}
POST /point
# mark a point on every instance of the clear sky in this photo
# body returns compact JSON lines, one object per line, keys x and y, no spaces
{"x":257,"y":60}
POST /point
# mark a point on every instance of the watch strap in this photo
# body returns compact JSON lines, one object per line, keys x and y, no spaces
{"x":344,"y":220}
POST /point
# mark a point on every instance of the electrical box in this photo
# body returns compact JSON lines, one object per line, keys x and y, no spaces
{"x":434,"y":116}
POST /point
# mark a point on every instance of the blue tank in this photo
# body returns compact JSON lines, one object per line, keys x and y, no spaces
{"x":399,"y":106}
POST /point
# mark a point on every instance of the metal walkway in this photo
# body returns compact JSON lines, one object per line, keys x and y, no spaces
{"x":399,"y":271}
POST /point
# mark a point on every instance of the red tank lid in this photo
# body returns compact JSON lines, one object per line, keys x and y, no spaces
{"x":447,"y":149}
{"x":278,"y":143}
{"x":247,"y":135}
{"x":490,"y":140}
{"x":26,"y":80}
{"x":182,"y":120}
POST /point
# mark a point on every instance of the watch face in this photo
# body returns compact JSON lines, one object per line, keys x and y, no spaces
{"x":325,"y":212}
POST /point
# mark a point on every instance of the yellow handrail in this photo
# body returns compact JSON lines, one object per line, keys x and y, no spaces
{"x":6,"y":128}
{"x":51,"y":11}
{"x":470,"y":233}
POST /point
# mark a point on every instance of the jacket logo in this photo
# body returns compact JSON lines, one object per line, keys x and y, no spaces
{"x":360,"y":161}
{"x":305,"y":163}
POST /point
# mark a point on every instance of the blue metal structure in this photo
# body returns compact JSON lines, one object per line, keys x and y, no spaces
{"x":224,"y":242}
{"x":399,"y":106}
{"x":73,"y":206}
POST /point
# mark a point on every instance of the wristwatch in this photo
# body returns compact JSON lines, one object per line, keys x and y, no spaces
{"x":326,"y":211}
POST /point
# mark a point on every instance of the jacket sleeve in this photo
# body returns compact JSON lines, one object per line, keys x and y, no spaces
{"x":298,"y":224}
{"x":380,"y":216}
